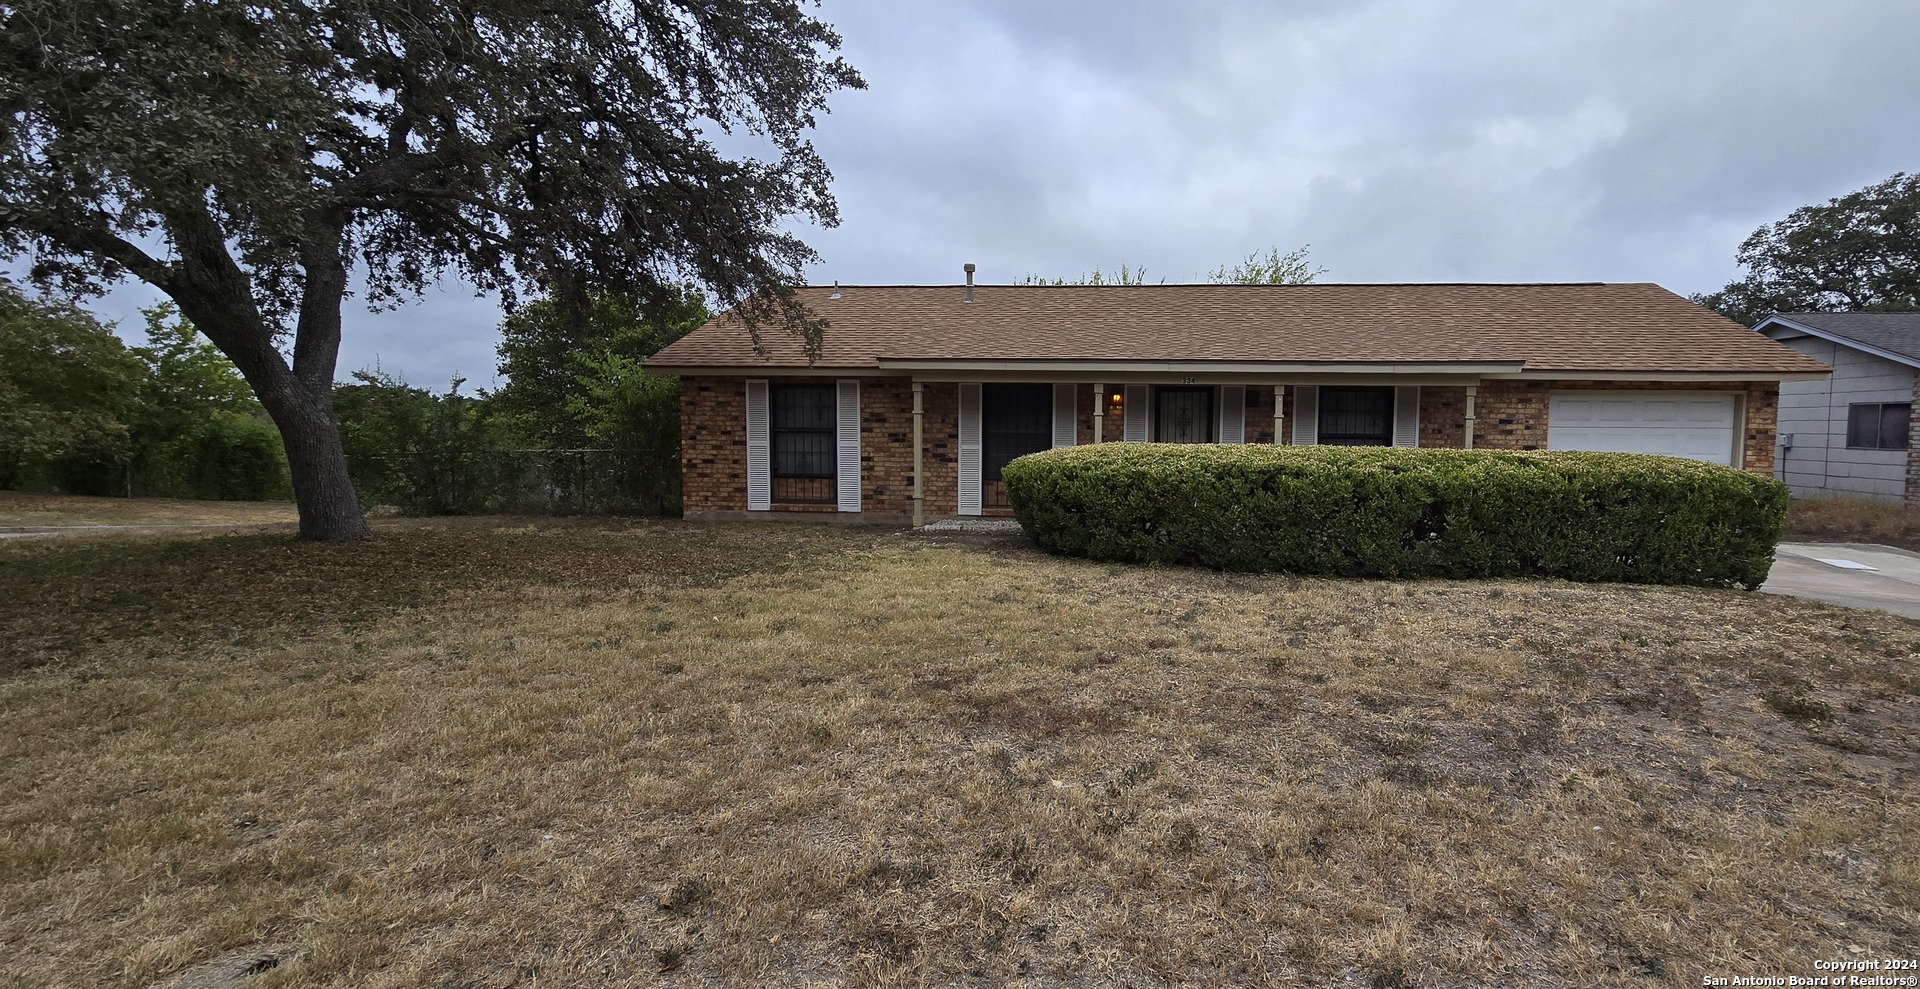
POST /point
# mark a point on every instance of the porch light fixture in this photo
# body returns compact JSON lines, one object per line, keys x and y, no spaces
{"x":1115,"y":403}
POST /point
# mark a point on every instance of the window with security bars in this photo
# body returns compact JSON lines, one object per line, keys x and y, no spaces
{"x":1878,"y":425}
{"x":803,"y":434}
{"x":1356,"y":416}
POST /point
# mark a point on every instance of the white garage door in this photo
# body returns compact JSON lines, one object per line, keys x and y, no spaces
{"x":1698,"y":427}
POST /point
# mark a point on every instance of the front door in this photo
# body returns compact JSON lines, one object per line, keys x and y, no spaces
{"x":1183,"y":415}
{"x":1015,"y":420}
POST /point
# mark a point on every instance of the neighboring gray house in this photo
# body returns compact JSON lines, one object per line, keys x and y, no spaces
{"x":1853,"y":434}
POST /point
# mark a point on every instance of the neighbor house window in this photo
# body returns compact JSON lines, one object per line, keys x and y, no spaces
{"x":1356,"y":416}
{"x":1878,"y":425}
{"x":803,"y":443}
{"x":1014,"y":420}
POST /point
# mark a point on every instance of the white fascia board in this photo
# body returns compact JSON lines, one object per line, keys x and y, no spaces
{"x":759,"y":371}
{"x":1663,"y":376}
{"x":1235,"y":371}
{"x":1814,"y":331}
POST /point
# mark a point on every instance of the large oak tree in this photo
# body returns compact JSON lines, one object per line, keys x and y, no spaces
{"x":1857,"y":253}
{"x":250,"y":159}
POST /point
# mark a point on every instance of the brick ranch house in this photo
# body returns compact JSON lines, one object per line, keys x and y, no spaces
{"x":923,"y":393}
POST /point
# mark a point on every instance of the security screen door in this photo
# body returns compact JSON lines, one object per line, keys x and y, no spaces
{"x":1183,"y":415}
{"x":1016,"y":420}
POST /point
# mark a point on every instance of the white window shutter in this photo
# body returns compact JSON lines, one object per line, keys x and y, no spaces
{"x":847,"y":445}
{"x":759,"y":471}
{"x":1134,"y":426}
{"x":1406,"y":415}
{"x":1233,"y":414}
{"x":1066,"y":416}
{"x":969,"y":500}
{"x":1306,"y":415}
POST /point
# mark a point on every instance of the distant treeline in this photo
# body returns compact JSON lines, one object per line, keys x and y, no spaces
{"x":577,"y":428}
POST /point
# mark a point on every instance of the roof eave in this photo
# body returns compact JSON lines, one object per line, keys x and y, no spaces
{"x":1197,"y":366}
{"x":1839,"y":338}
{"x":1581,"y":374}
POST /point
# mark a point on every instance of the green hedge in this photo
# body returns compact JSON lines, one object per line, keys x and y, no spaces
{"x":1383,"y":512}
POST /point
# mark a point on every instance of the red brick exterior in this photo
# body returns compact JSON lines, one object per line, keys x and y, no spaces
{"x":1443,"y":417}
{"x":1913,"y":460}
{"x":713,"y":444}
{"x":1511,"y":415}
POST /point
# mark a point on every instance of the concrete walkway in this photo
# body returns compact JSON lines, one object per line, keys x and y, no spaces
{"x":1893,"y":585}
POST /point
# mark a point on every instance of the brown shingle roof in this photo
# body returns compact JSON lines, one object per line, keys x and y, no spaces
{"x":1630,"y":327}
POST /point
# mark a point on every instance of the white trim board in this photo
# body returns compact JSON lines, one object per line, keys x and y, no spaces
{"x":1829,"y":335}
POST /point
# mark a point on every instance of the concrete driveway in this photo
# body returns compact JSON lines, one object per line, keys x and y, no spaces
{"x":1892,"y":585}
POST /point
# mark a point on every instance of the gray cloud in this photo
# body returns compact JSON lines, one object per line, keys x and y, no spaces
{"x":1404,"y":139}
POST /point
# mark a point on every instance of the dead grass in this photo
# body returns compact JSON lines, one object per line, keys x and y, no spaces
{"x":19,"y":509}
{"x":1853,"y":520}
{"x":486,"y":753}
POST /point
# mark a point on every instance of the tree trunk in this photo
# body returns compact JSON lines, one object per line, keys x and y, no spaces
{"x":217,"y":296}
{"x":316,"y":463}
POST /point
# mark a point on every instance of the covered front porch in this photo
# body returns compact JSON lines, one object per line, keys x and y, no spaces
{"x":997,"y":414}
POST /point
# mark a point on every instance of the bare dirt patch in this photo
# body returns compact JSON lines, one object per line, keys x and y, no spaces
{"x":499,"y":752}
{"x":1853,"y":520}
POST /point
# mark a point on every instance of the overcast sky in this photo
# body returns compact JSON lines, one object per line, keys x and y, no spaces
{"x":1405,"y":140}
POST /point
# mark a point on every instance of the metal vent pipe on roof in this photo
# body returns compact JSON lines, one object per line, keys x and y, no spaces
{"x":969,"y":270}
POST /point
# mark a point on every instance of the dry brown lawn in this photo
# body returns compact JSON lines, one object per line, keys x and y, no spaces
{"x":497,"y":752}
{"x":20,"y":509}
{"x":1853,"y":520}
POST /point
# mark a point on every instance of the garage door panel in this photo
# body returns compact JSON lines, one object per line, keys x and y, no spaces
{"x":1697,"y":427}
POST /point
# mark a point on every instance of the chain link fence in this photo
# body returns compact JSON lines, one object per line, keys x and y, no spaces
{"x":523,"y":482}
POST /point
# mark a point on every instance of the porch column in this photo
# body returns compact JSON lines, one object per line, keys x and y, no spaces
{"x":1099,"y":411}
{"x":1279,"y":413}
{"x":1473,"y":391}
{"x":919,"y":516}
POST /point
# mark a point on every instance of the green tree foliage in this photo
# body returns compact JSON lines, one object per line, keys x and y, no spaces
{"x":549,"y":351}
{"x":198,"y":431}
{"x":1273,"y":268}
{"x":424,"y":453}
{"x":67,"y":385}
{"x":1857,"y":253}
{"x":246,"y":159}
{"x":635,"y":417}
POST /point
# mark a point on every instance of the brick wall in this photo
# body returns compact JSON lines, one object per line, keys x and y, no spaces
{"x":886,"y":445}
{"x":1913,"y":457}
{"x":940,"y":458}
{"x":713,"y":444}
{"x":1512,"y":415}
{"x":1443,"y":417}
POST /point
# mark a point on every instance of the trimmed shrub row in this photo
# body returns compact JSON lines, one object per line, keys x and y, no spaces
{"x":1385,"y":512}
